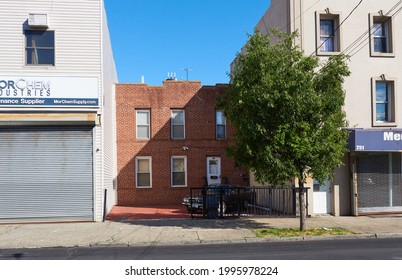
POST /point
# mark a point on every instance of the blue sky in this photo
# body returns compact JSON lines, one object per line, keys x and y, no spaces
{"x":154,"y":37}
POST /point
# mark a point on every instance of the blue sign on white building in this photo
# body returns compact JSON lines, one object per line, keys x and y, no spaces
{"x":49,"y":91}
{"x":375,"y":140}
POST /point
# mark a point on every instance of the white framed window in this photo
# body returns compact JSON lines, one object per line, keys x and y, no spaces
{"x":220,"y":125}
{"x":143,"y":118}
{"x":384,"y":101}
{"x":39,"y":47}
{"x":381,"y":35}
{"x":179,"y":171}
{"x":178,"y":124}
{"x":328,"y":33}
{"x":143,"y":170}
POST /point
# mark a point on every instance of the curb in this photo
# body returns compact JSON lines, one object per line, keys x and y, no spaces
{"x":257,"y":240}
{"x":388,"y":235}
{"x":358,"y":236}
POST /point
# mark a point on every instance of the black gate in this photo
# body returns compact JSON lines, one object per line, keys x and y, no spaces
{"x":225,"y":200}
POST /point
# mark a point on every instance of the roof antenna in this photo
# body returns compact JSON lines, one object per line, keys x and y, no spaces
{"x":187,"y":70}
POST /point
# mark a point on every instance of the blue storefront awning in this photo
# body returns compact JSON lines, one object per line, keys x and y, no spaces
{"x":375,"y":140}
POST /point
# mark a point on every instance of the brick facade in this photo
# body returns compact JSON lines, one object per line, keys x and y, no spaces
{"x":198,"y":102}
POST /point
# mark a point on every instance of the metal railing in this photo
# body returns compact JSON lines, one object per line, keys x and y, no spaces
{"x":224,"y":201}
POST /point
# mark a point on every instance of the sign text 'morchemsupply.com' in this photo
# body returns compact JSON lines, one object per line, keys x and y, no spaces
{"x":392,"y":136}
{"x":24,"y":88}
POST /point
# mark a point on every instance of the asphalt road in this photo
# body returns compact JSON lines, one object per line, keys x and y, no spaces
{"x":367,"y":249}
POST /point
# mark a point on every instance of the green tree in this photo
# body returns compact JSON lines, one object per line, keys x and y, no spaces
{"x":287,"y":108}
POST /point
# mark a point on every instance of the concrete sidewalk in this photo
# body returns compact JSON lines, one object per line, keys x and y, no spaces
{"x":181,"y":231}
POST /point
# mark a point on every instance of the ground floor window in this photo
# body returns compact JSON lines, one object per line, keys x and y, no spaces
{"x":379,"y":182}
{"x":179,"y":170}
{"x":143,"y":170}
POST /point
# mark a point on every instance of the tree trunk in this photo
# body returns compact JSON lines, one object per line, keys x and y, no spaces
{"x":302,"y":204}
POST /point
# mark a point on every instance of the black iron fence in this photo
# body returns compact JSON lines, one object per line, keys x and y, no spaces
{"x":222,"y":201}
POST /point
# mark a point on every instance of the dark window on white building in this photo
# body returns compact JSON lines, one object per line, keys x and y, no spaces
{"x":39,"y":47}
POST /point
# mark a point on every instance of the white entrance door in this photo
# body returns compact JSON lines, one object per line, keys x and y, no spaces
{"x":214,"y":170}
{"x":322,"y":197}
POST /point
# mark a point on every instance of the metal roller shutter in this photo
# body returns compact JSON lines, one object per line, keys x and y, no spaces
{"x":379,"y":182}
{"x":46,"y":174}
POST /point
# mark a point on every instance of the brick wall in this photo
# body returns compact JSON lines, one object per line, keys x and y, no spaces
{"x":200,"y":138}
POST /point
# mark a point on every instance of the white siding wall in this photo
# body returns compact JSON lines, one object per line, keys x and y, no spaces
{"x":109,"y":77}
{"x":77,"y":34}
{"x":98,"y":171}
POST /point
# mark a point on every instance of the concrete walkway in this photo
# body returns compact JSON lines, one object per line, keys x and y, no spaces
{"x":181,"y":231}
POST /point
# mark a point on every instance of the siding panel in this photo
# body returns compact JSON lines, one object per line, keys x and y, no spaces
{"x":77,"y":30}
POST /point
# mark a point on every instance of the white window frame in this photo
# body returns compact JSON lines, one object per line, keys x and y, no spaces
{"x":143,"y":125}
{"x":224,"y":124}
{"x":389,"y":34}
{"x":392,"y":101}
{"x":336,"y":18}
{"x":150,"y":172}
{"x":185,"y":171}
{"x":172,"y":125}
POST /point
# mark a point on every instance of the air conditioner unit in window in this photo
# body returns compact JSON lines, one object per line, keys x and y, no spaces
{"x":38,"y":21}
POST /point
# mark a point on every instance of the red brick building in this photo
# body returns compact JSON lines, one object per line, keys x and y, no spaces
{"x":170,"y":138}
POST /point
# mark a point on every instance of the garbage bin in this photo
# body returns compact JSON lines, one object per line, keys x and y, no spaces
{"x":211,"y":205}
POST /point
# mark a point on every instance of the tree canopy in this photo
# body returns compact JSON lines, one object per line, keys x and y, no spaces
{"x":287,"y":108}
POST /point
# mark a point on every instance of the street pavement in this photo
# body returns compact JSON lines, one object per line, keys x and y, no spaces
{"x":182,"y":231}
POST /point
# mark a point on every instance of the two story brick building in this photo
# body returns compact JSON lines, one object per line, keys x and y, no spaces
{"x":171,"y":138}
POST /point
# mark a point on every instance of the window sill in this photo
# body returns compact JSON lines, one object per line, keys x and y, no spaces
{"x":384,"y":124}
{"x":142,"y":188}
{"x":378,"y":54}
{"x":320,"y":53}
{"x":179,"y":186}
{"x":40,"y":66}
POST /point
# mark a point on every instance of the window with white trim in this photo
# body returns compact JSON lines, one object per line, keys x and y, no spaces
{"x":384,"y":100}
{"x":39,"y":47}
{"x":220,"y":125}
{"x":143,"y":124}
{"x":143,"y":172}
{"x":178,"y":124}
{"x":381,"y":38}
{"x":328,"y":33}
{"x":179,"y":171}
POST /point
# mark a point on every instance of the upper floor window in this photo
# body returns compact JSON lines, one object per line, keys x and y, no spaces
{"x":328,"y":34}
{"x":220,"y":125}
{"x":39,"y":48}
{"x":178,"y":124}
{"x":381,"y":36}
{"x":143,"y":124}
{"x":384,"y":102}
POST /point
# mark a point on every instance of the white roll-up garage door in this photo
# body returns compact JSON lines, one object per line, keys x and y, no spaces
{"x":46,"y":174}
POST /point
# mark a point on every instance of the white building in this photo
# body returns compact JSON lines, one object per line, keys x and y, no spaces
{"x":368,"y":31}
{"x":57,"y":136}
